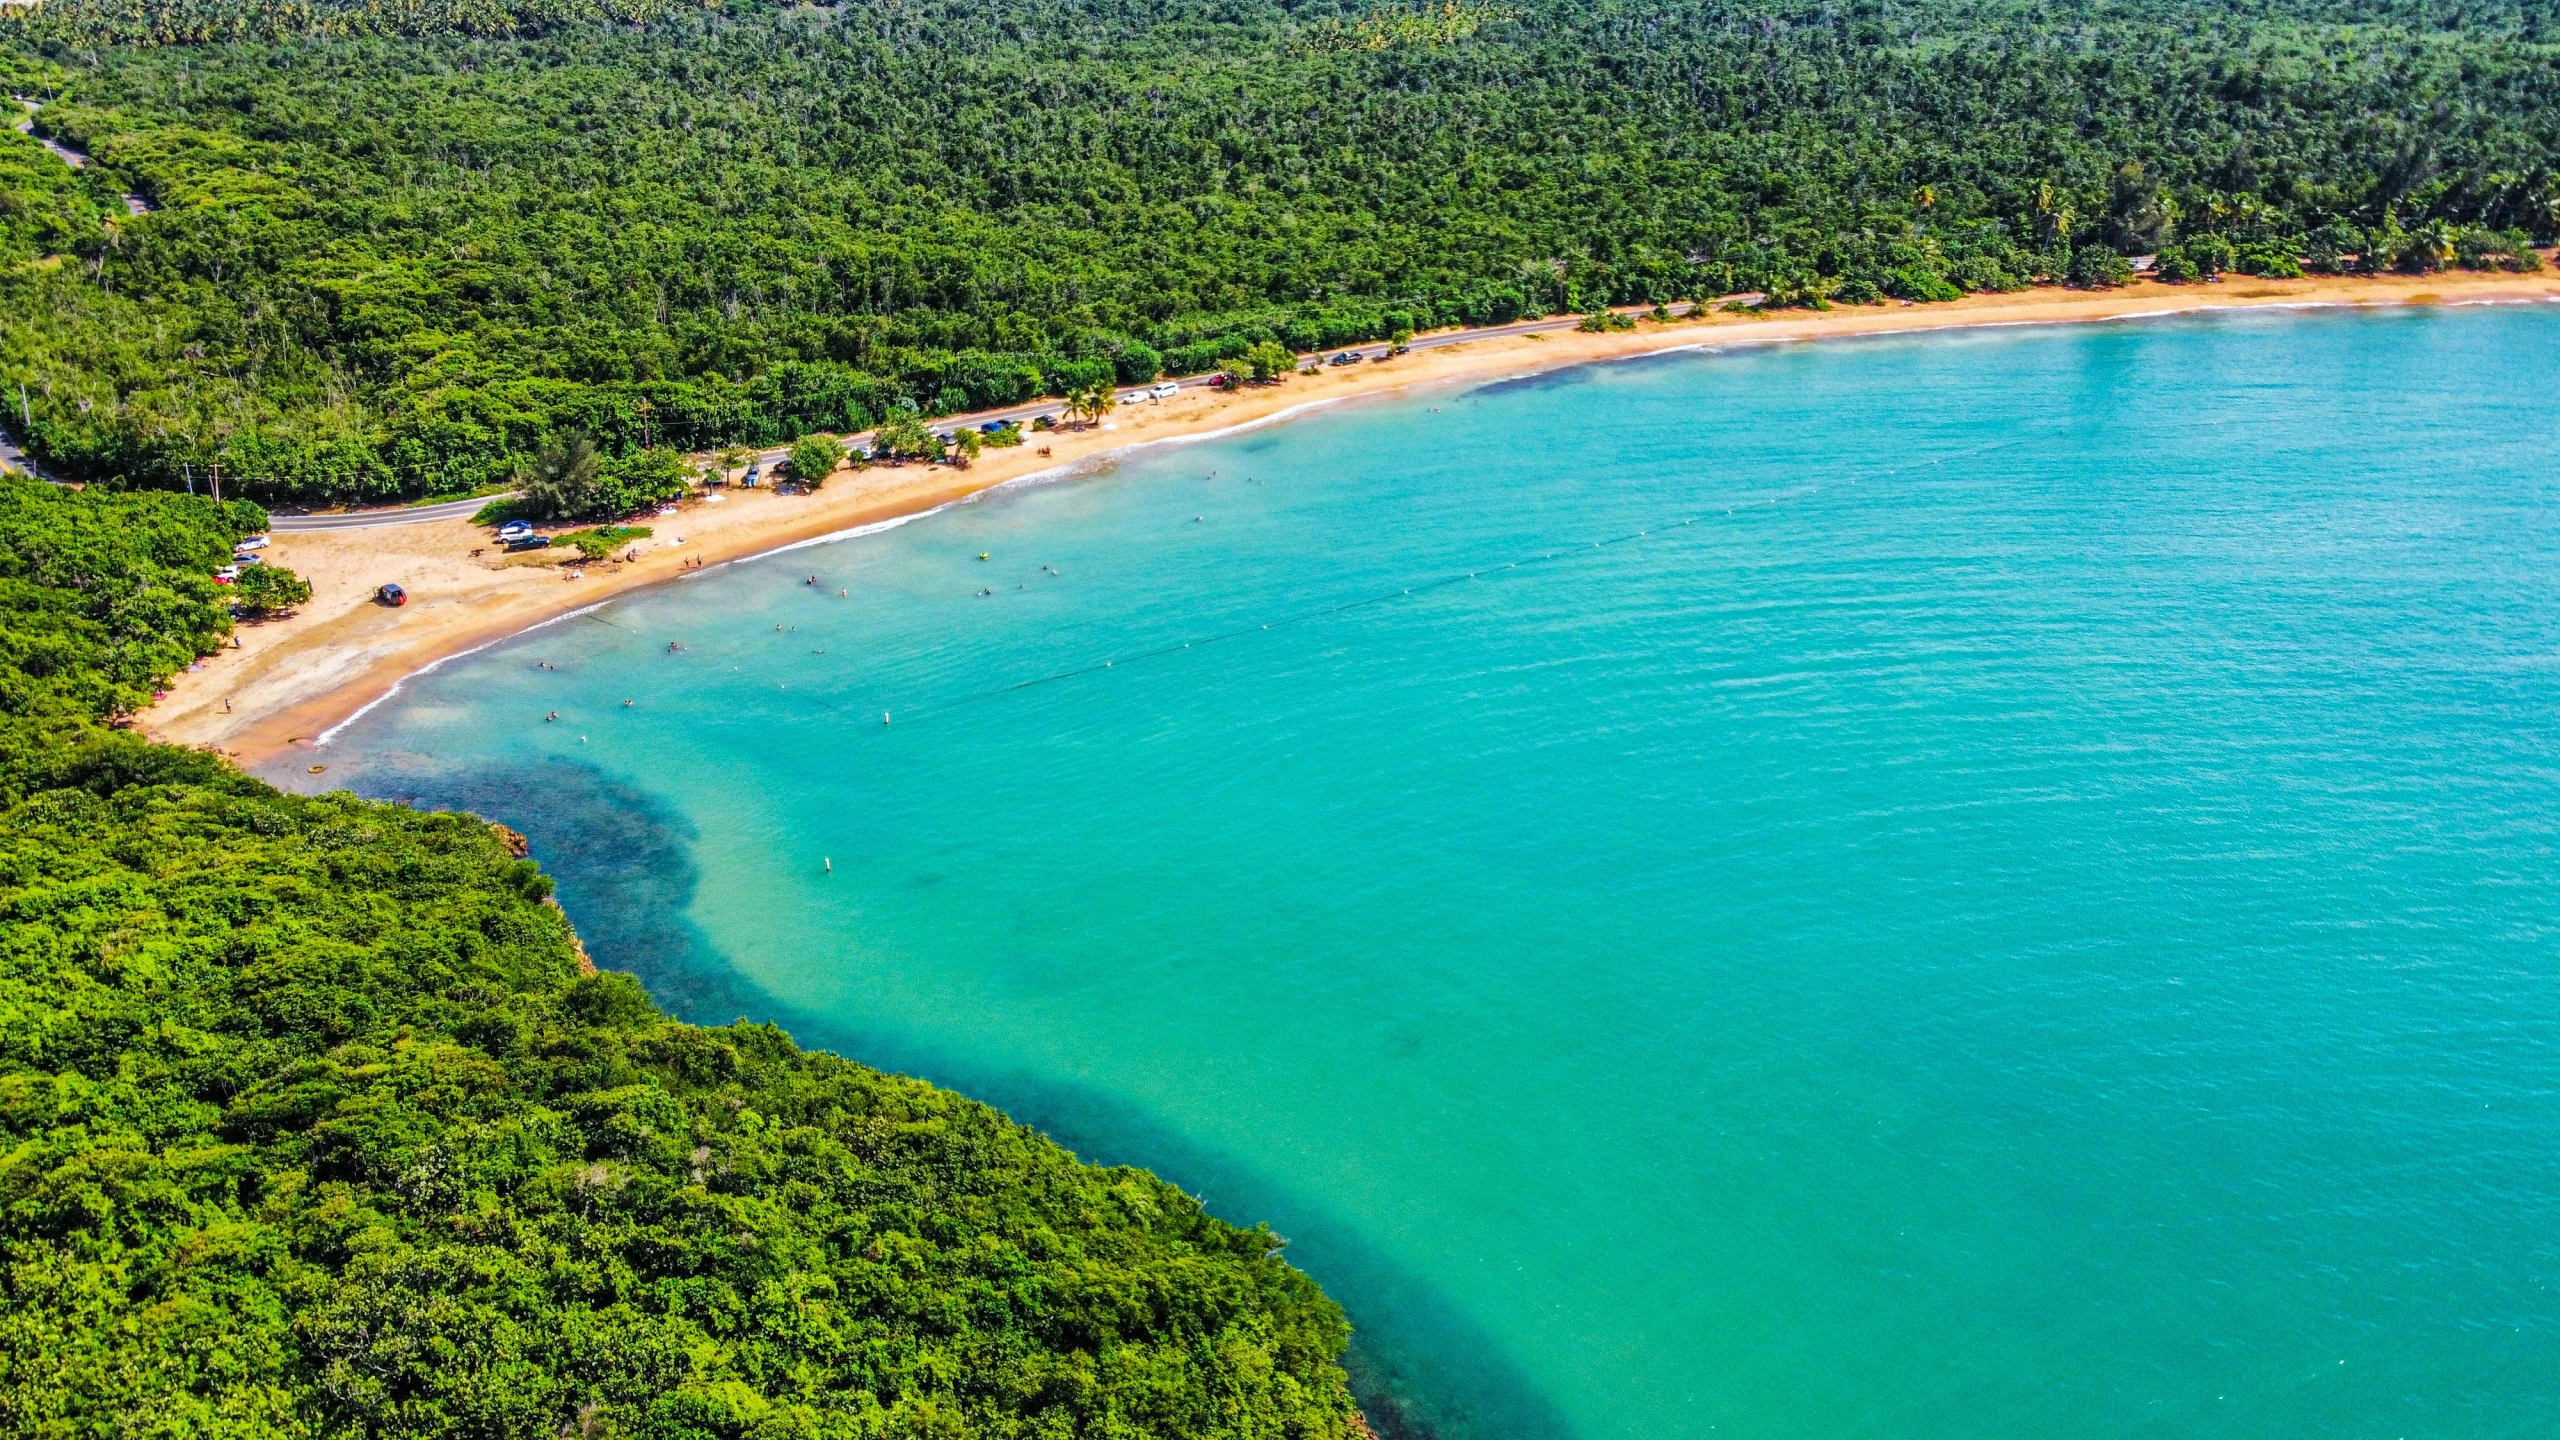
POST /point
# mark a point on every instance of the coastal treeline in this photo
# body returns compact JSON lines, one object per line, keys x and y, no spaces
{"x":315,"y":1125}
{"x":397,"y":249}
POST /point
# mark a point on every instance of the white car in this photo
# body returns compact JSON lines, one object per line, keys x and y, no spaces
{"x":1163,"y":390}
{"x":250,"y":542}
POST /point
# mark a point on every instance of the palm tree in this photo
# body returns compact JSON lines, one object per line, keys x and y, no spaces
{"x":903,"y":435}
{"x":1091,"y":404}
{"x":2433,"y":244}
{"x":561,"y":479}
{"x":1545,"y":277}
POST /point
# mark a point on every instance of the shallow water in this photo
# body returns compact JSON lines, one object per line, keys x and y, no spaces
{"x":2032,"y":916}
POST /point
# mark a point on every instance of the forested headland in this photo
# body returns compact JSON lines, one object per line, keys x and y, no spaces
{"x":313,"y":1124}
{"x":397,"y":248}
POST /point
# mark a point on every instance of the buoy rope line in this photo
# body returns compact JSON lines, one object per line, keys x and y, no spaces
{"x":1426,"y":587}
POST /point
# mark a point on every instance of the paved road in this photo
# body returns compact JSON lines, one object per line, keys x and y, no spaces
{"x":13,"y":458}
{"x":133,"y":204}
{"x":367,"y":519}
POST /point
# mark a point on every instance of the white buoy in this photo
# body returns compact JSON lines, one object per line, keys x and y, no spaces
{"x":830,"y":864}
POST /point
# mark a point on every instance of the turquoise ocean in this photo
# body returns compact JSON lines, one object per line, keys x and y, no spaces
{"x":1990,"y":884}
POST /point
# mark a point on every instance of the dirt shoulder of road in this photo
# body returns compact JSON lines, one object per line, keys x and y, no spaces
{"x":291,"y":679}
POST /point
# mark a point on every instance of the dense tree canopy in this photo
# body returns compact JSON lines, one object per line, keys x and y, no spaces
{"x":313,"y":1126}
{"x":398,"y":247}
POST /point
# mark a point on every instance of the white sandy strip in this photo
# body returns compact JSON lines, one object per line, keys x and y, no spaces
{"x":441,"y":661}
{"x":1088,"y":465}
{"x":1100,"y":461}
{"x":854,"y":532}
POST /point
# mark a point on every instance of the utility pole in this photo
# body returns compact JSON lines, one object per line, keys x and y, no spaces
{"x":217,"y":482}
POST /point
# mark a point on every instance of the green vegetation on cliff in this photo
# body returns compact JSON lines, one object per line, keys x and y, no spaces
{"x":314,"y":1127}
{"x":400,"y":248}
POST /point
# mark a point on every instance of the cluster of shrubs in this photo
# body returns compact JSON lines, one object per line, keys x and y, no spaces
{"x":2339,"y":248}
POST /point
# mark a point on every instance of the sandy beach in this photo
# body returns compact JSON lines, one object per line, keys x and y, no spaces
{"x":291,"y":679}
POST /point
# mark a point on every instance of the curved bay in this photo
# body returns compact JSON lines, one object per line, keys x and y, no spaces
{"x":2030,"y":916}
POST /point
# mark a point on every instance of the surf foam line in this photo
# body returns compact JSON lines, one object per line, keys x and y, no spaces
{"x":1425,"y":587}
{"x":1097,"y":462}
{"x":868,"y":527}
{"x":1088,"y":465}
{"x":432,"y":666}
{"x":852,"y":532}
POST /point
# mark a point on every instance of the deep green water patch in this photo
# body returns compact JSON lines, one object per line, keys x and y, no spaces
{"x":316,"y":1127}
{"x":1982,"y":885}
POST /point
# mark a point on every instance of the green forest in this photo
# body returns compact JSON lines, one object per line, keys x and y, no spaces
{"x":316,"y":1125}
{"x":397,"y":248}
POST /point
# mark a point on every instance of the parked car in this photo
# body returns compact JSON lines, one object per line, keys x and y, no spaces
{"x":1220,"y":381}
{"x":1163,"y":390}
{"x":528,"y":541}
{"x":249,"y":542}
{"x":993,"y":426}
{"x":515,"y":530}
{"x":392,"y":595}
{"x":1347,"y":357}
{"x":226,"y":574}
{"x":239,"y":559}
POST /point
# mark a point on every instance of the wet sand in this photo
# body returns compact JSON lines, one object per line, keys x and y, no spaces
{"x":292,"y":679}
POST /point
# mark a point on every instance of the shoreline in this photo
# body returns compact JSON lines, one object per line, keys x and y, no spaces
{"x":292,"y":684}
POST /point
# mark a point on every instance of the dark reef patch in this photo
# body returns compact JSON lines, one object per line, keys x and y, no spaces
{"x":624,"y":862}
